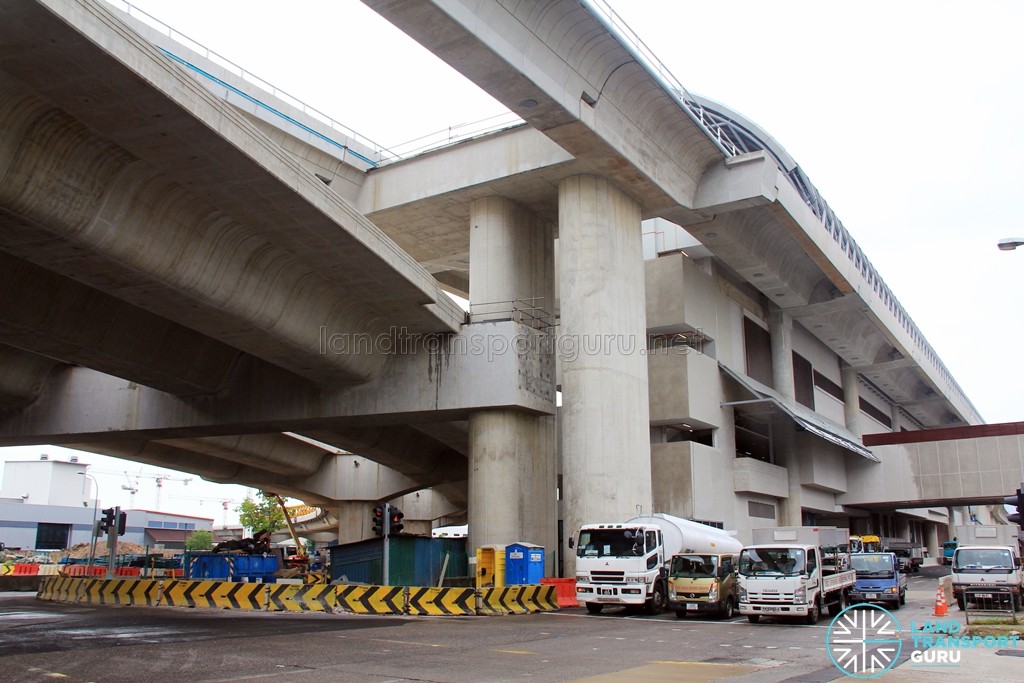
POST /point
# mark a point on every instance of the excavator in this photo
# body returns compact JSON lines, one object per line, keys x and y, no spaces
{"x":297,"y":565}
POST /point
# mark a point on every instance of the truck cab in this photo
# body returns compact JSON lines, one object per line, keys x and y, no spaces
{"x":985,"y":574}
{"x":880,"y":578}
{"x":703,"y":583}
{"x":621,"y":565}
{"x":948,"y":548}
{"x":795,"y":572}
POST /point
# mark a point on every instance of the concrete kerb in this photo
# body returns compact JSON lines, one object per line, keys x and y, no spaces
{"x":309,"y":597}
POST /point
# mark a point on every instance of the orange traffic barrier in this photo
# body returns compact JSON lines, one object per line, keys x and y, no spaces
{"x":941,"y":608}
{"x":25,"y":569}
{"x":84,"y":570}
{"x":127,"y":571}
{"x":565,"y":589}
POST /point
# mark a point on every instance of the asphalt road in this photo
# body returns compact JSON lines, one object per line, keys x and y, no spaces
{"x":46,"y":641}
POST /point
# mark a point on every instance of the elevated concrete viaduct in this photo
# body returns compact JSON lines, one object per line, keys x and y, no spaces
{"x":198,"y":275}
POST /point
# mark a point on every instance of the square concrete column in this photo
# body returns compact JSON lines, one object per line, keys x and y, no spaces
{"x":512,"y":454}
{"x":780,"y":325}
{"x":606,"y":454}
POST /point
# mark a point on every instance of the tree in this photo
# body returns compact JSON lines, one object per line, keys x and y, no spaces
{"x":200,"y":539}
{"x":261,"y":513}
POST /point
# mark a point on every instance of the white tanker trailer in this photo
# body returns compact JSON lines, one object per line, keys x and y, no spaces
{"x":625,"y":564}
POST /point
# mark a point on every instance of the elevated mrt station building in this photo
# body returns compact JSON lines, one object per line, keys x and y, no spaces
{"x":663,"y":312}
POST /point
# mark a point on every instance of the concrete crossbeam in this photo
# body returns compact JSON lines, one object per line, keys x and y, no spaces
{"x":437,"y":378}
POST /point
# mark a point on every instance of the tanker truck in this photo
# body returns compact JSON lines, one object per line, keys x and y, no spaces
{"x":625,"y":564}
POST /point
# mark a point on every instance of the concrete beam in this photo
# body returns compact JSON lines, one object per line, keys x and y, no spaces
{"x":501,"y":365}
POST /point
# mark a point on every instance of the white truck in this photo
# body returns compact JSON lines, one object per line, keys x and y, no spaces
{"x":987,"y":565}
{"x":624,"y":564}
{"x":795,"y":571}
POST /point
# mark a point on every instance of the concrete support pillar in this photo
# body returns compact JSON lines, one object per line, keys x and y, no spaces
{"x":606,"y":454}
{"x":851,"y":400}
{"x":931,"y":541}
{"x":950,"y":524}
{"x":902,"y":527}
{"x":355,"y":521}
{"x":780,"y":326}
{"x":894,"y":416}
{"x":791,"y":512}
{"x":512,"y":466}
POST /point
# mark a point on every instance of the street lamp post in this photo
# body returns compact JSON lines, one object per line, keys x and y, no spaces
{"x":1011,"y":243}
{"x":95,"y":508}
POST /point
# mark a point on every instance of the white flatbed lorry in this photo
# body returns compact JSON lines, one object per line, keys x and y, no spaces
{"x":795,"y":572}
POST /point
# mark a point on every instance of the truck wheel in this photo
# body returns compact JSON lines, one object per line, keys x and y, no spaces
{"x":594,"y":608}
{"x":656,"y":604}
{"x":895,"y":604}
{"x":728,"y":609}
{"x":903,"y":597}
{"x":812,"y":617}
{"x":961,"y":603}
{"x":753,"y":618}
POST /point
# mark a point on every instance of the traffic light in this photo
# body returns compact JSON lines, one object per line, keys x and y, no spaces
{"x":1018,"y":502}
{"x":107,"y":520}
{"x":379,"y":520}
{"x":395,"y":525}
{"x":122,"y":521}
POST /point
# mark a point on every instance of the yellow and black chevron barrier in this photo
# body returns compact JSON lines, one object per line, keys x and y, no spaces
{"x":60,"y":589}
{"x":309,"y":597}
{"x":372,"y":599}
{"x":216,"y":594}
{"x":120,"y":592}
{"x":306,"y":597}
{"x":520,"y":599}
{"x":442,"y":601}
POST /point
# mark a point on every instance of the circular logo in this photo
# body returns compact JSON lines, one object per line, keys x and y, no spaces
{"x":864,"y":641}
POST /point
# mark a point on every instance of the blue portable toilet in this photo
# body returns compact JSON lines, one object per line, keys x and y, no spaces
{"x":524,"y":563}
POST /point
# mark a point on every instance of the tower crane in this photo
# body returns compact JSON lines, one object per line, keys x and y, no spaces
{"x":133,"y":487}
{"x":225,"y":503}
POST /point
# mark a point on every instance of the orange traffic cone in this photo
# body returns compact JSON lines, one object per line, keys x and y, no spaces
{"x":941,"y":609}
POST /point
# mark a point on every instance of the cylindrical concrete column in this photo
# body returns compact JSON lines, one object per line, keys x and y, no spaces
{"x":851,"y":399}
{"x":931,"y":540}
{"x":606,"y":454}
{"x":780,"y":326}
{"x":512,"y":480}
{"x":512,"y":466}
{"x":355,"y":521}
{"x":511,"y":259}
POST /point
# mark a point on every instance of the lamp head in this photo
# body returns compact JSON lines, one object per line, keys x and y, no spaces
{"x":1011,"y":243}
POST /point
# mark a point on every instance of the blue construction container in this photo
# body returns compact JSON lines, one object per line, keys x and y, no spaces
{"x":229,"y":566}
{"x":414,"y":560}
{"x":524,"y":563}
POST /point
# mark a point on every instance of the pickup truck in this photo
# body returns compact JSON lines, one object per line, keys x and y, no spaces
{"x":880,"y":578}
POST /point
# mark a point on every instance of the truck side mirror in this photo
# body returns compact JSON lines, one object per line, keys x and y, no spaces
{"x":571,"y":542}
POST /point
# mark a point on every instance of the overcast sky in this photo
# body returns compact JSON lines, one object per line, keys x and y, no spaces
{"x":905,"y":115}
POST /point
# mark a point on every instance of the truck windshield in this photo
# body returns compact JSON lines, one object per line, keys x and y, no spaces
{"x":610,"y":543}
{"x":868,"y":564}
{"x":982,"y":560}
{"x":772,"y":561}
{"x":694,"y":566}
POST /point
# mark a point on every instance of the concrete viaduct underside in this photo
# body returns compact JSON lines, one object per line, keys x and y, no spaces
{"x":181,"y":288}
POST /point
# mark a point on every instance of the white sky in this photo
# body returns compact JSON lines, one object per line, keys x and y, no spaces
{"x":905,"y":115}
